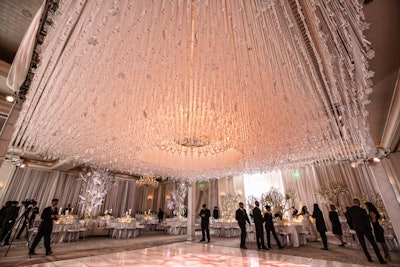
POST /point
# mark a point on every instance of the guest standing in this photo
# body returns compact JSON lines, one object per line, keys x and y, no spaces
{"x":378,"y":230}
{"x":359,"y":220}
{"x":205,"y":215}
{"x":269,"y":227}
{"x":9,"y":216}
{"x":320,"y":223}
{"x":307,"y":225}
{"x":336,"y":226}
{"x":216,"y":213}
{"x":160,"y":215}
{"x":242,"y":218}
{"x":258,"y":222}
{"x":49,"y":215}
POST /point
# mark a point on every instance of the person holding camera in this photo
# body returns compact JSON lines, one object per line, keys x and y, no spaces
{"x":49,"y":215}
{"x":9,"y":215}
{"x":30,"y":215}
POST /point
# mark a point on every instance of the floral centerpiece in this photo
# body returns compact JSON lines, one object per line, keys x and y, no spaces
{"x":95,"y":185}
{"x":275,"y":199}
{"x":229,"y":204}
{"x":177,"y":203}
{"x":333,"y":193}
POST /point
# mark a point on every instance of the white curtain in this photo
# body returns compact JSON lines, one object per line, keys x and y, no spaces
{"x":43,"y":186}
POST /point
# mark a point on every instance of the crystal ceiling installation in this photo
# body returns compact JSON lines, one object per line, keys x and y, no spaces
{"x":199,"y":89}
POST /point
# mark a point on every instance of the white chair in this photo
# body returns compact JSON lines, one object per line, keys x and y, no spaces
{"x":73,"y":232}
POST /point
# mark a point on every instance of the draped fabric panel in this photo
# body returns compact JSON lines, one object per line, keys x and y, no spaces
{"x":312,"y":178}
{"x":43,"y":186}
{"x":208,"y":196}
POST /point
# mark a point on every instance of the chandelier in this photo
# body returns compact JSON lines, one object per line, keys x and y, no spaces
{"x":200,"y":89}
{"x":147,"y":180}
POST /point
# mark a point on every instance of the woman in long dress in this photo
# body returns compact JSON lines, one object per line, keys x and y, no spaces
{"x":336,"y":225}
{"x":378,"y":230}
{"x":307,"y":225}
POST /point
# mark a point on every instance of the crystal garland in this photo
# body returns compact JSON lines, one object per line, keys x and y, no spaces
{"x":147,"y":180}
{"x":197,"y":89}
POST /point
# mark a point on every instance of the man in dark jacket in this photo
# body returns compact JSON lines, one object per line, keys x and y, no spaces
{"x":359,"y":220}
{"x":49,"y":215}
{"x":9,"y":215}
{"x":242,"y":218}
{"x":258,"y":222}
{"x":205,"y":215}
{"x":269,"y":227}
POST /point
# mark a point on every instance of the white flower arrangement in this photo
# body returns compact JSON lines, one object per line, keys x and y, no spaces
{"x":229,"y":204}
{"x":333,"y":193}
{"x":95,"y":185}
{"x":177,"y":202}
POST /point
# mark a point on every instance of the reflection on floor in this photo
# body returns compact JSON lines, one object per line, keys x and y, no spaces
{"x":158,"y":249}
{"x":194,"y":254}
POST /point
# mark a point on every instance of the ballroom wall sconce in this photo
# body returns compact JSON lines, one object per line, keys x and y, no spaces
{"x":1,"y":186}
{"x":222,"y":194}
{"x":150,"y":197}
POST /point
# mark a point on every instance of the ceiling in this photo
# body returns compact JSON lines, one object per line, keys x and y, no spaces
{"x":383,"y":16}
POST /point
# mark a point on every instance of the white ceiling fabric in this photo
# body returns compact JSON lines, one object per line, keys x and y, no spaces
{"x":199,"y":89}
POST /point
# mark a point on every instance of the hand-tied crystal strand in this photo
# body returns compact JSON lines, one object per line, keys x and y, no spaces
{"x":199,"y":89}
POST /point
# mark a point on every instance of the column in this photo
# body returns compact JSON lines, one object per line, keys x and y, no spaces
{"x":387,"y":193}
{"x":191,"y":216}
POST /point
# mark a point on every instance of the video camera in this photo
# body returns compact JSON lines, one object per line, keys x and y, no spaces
{"x":28,"y":202}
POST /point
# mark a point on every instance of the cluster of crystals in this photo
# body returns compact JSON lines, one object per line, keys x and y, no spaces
{"x":147,"y":180}
{"x":270,"y":84}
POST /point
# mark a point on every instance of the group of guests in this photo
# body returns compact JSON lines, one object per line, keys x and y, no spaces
{"x":359,"y":220}
{"x":8,"y":215}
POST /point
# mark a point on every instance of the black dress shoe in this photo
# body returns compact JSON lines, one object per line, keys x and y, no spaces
{"x":265,"y":248}
{"x":203,"y":240}
{"x":49,"y":253}
{"x":243,"y":247}
{"x":370,"y":260}
{"x":32,"y":253}
{"x":208,"y":241}
{"x":324,"y":248}
{"x":382,"y":262}
{"x":280,"y":247}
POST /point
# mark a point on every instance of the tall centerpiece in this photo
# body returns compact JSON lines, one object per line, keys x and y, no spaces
{"x":178,"y":195}
{"x":96,"y":182}
{"x":333,"y":193}
{"x":229,"y":204}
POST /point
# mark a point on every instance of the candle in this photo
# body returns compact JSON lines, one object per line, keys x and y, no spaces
{"x":72,"y":210}
{"x":110,"y":211}
{"x":59,"y":211}
{"x":126,"y":214}
{"x":130,"y":211}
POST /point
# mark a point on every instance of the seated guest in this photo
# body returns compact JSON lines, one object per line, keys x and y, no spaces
{"x":67,"y":210}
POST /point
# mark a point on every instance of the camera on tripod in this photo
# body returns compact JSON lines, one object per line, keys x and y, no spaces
{"x":28,"y":202}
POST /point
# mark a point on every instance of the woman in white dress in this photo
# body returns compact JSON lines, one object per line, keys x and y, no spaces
{"x":307,"y":225}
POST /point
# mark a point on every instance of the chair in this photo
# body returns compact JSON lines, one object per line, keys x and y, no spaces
{"x":130,"y":229}
{"x":83,"y":228}
{"x":55,"y":234}
{"x":118,"y":230}
{"x":284,"y":237}
{"x":74,"y":232}
{"x":303,"y":237}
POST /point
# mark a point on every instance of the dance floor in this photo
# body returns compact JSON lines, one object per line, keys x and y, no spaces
{"x":194,"y":254}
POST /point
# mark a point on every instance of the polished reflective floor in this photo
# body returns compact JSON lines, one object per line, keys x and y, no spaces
{"x":194,"y":254}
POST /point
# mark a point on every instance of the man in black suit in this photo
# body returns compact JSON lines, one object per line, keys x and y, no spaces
{"x":241,"y":217}
{"x":359,"y":220}
{"x":258,"y":222}
{"x":205,"y":215}
{"x":269,"y":227}
{"x":49,"y":215}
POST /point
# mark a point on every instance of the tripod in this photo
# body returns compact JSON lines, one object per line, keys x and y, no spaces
{"x":18,"y":223}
